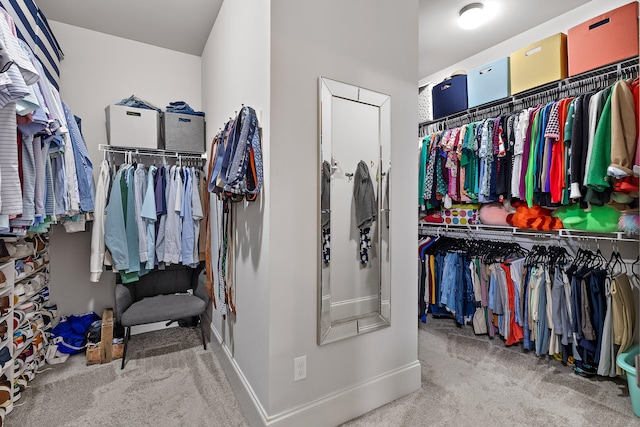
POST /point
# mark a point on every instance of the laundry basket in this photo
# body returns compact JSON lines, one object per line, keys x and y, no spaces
{"x":626,"y":361}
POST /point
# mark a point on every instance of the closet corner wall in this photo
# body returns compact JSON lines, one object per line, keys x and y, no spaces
{"x":84,"y":70}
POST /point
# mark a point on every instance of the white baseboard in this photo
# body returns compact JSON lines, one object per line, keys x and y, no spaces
{"x":332,"y":409}
{"x":249,"y":403}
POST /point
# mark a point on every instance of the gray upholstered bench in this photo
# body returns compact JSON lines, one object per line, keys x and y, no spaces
{"x":178,"y":292}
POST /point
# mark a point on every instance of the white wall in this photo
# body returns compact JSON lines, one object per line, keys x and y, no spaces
{"x":100,"y":69}
{"x":371,"y":44}
{"x":235,"y":71}
{"x":557,"y":25}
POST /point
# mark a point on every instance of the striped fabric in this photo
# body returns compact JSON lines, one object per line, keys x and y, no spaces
{"x":10,"y":192}
{"x":33,"y":28}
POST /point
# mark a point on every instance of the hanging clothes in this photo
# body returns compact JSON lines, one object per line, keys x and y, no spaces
{"x":325,"y":210}
{"x":365,"y":208}
{"x":575,"y":150}
{"x":235,"y":173}
{"x":45,"y":171}
{"x":151,"y":220}
{"x":98,"y":230}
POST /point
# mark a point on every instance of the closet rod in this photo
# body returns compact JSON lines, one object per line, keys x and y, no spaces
{"x":601,"y":76}
{"x":508,"y":238}
{"x":150,"y":152}
{"x":515,"y":232}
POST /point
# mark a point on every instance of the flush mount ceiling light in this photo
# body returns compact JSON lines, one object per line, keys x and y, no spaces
{"x":472,"y":16}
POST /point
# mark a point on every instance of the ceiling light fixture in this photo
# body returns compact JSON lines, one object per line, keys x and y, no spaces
{"x":472,"y":16}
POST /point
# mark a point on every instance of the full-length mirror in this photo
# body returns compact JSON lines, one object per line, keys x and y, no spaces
{"x":353,"y":233}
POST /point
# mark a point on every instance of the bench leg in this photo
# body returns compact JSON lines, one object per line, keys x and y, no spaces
{"x":127,"y":335}
{"x":204,"y":342}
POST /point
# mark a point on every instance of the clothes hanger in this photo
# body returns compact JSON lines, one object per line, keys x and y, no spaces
{"x":635,"y":275}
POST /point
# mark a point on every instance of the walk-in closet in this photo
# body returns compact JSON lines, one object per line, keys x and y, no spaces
{"x":210,"y":212}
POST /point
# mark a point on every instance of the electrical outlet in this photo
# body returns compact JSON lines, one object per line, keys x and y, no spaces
{"x":300,"y":368}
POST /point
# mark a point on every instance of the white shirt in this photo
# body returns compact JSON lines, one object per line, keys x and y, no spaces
{"x":148,"y":213}
{"x":97,"y":232}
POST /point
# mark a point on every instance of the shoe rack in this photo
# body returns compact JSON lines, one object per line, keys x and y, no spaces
{"x":25,"y":312}
{"x":7,"y":270}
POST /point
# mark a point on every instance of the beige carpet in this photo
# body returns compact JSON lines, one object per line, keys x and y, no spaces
{"x":474,"y":381}
{"x":170,"y":380}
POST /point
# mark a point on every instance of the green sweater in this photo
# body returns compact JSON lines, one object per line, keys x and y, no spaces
{"x":596,"y":175}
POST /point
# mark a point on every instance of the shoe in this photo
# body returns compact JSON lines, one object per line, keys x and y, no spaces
{"x":27,"y":355}
{"x":53,"y":309}
{"x":47,"y":319}
{"x":26,"y":306}
{"x":29,"y":290}
{"x":18,"y":318}
{"x":3,"y":280}
{"x":38,"y":263}
{"x":38,"y":321}
{"x":39,"y":243}
{"x":19,"y":267}
{"x":44,"y":294}
{"x":40,"y":300}
{"x":24,"y":249}
{"x":5,"y":392}
{"x":29,"y":315}
{"x":22,"y":382}
{"x":5,"y":253}
{"x":18,"y":339}
{"x":18,"y":291}
{"x":29,"y":372}
{"x":27,"y":331}
{"x":16,"y":392}
{"x":38,"y":342}
{"x":5,"y":357}
{"x":5,"y":305}
{"x":4,"y":410}
{"x":18,"y":365}
{"x":29,"y":266}
{"x":585,"y":370}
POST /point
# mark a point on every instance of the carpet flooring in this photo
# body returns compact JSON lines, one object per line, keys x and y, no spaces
{"x":469,"y":380}
{"x":170,"y":380}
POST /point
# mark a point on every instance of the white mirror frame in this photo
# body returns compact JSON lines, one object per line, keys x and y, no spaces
{"x":329,"y":331}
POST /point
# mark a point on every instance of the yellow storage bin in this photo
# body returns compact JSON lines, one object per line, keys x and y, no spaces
{"x":539,"y":63}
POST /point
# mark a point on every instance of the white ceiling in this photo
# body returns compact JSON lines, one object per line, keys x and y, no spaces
{"x":442,"y":43}
{"x":182,"y":25}
{"x":185,"y":25}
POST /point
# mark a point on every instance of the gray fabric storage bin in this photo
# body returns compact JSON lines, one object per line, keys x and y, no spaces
{"x":183,"y":132}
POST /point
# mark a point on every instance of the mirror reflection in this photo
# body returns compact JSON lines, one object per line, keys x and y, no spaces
{"x":354,"y":215}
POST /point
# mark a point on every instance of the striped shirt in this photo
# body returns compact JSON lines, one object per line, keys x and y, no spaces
{"x":10,"y":192}
{"x":31,"y":26}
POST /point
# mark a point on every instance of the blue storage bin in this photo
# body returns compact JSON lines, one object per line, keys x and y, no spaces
{"x":449,"y":96}
{"x":489,"y":82}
